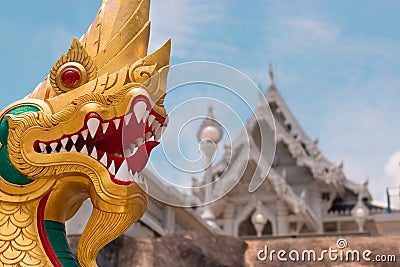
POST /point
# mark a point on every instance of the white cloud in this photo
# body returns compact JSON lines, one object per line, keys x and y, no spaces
{"x":305,"y":32}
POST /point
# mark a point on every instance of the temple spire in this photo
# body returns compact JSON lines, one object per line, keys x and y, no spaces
{"x":271,"y":78}
{"x":271,"y":74}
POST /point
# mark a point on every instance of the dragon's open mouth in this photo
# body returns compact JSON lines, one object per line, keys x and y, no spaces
{"x":121,"y":144}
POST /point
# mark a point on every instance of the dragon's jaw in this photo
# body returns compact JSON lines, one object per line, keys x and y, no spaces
{"x":121,"y":144}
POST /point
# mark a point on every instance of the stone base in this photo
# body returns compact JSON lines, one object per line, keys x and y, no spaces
{"x":205,"y":250}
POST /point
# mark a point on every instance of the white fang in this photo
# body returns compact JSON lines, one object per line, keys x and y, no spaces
{"x":103,"y":160}
{"x":127,"y":152}
{"x":127,"y":118}
{"x":146,"y":115}
{"x":84,"y":150}
{"x":139,"y":109}
{"x":94,"y":153}
{"x":53,"y":146}
{"x":111,"y":169}
{"x":151,"y":119}
{"x":93,"y":125}
{"x":64,"y":142}
{"x":85,"y":134}
{"x":42,"y":147}
{"x":116,"y":123}
{"x":74,"y":138}
{"x":105,"y":126}
{"x":123,"y":172}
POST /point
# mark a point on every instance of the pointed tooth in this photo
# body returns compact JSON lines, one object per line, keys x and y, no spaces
{"x":103,"y":159}
{"x":156,"y":125}
{"x":139,"y":141}
{"x":147,"y":136}
{"x":146,"y":115}
{"x":84,"y":150}
{"x":111,"y":169}
{"x":42,"y":147}
{"x":127,"y":152}
{"x":127,"y":118}
{"x":132,"y":147}
{"x":116,"y":123}
{"x":105,"y":126}
{"x":93,"y":125}
{"x":94,"y":153}
{"x":157,"y":136}
{"x":64,"y":142}
{"x":63,"y":149}
{"x":74,"y":138}
{"x":139,"y":109}
{"x":123,"y":172}
{"x":85,"y":134}
{"x":53,"y":146}
{"x":150,"y":120}
{"x":73,"y":148}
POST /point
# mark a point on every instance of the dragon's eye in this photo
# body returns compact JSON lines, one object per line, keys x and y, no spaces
{"x":71,"y":75}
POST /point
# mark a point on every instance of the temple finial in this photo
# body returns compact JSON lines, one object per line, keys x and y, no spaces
{"x":272,"y":85}
{"x":210,"y":126}
{"x":271,"y":74}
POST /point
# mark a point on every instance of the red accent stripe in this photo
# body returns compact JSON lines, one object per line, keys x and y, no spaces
{"x":42,"y":233}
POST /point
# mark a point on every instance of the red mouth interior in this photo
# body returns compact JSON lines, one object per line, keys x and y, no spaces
{"x":122,"y":144}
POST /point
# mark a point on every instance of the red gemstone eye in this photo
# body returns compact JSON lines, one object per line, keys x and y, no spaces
{"x":70,"y":77}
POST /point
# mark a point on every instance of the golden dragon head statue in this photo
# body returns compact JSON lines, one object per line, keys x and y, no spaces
{"x":85,"y":132}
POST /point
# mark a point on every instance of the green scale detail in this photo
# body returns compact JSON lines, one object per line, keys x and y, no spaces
{"x":55,"y":231}
{"x":7,"y":170}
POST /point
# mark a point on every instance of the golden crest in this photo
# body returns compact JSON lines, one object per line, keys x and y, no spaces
{"x":73,"y":69}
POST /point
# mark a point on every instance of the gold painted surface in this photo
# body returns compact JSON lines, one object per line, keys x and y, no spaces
{"x":114,"y":68}
{"x":19,"y":237}
{"x":102,"y":228}
{"x":67,"y":196}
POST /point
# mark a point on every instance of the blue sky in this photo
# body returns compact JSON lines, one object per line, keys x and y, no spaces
{"x":336,"y":63}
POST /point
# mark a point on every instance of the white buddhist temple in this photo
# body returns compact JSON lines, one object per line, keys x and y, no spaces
{"x":303,"y":194}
